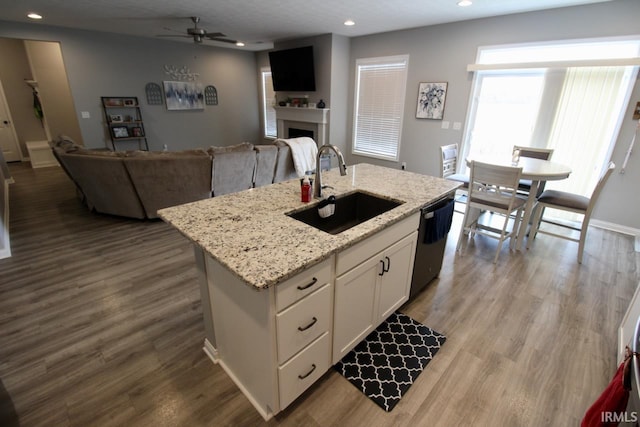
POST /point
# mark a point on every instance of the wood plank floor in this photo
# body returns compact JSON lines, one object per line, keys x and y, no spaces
{"x":101,"y":325}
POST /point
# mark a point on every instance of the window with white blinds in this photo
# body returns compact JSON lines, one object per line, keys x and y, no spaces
{"x":379,"y":106}
{"x":269,"y":100}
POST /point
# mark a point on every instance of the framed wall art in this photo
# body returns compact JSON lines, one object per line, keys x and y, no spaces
{"x":431,"y":97}
{"x":184,"y":95}
{"x":120,"y":132}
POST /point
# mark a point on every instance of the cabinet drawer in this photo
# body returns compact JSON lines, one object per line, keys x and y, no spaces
{"x":358,"y":253}
{"x":304,"y":369}
{"x":303,"y":322}
{"x":303,"y":284}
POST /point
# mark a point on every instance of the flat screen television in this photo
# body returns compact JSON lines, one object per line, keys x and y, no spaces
{"x":292,"y":70}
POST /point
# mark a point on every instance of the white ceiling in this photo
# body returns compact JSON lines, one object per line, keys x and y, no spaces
{"x":260,"y":23}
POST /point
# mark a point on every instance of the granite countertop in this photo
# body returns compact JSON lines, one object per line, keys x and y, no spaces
{"x":250,"y":233}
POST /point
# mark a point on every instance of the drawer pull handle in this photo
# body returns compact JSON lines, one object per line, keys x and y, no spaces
{"x":383,"y":269}
{"x":313,"y":322}
{"x":313,"y":282}
{"x":313,"y":368}
{"x":388,"y":264}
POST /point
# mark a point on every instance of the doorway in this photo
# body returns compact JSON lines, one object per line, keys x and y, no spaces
{"x":36,"y":68}
{"x":8,"y":137}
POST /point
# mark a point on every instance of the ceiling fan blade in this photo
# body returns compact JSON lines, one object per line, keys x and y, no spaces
{"x":220,"y":39}
{"x":210,"y":35}
{"x":173,"y":35}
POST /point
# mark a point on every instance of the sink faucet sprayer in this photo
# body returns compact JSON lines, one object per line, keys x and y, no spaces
{"x":317,"y":183}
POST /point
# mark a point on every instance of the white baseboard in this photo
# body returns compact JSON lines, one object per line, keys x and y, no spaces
{"x":5,"y":242}
{"x":210,"y":351}
{"x":623,"y":229}
{"x":5,"y":252}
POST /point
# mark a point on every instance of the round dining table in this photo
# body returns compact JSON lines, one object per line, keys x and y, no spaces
{"x":537,"y":171}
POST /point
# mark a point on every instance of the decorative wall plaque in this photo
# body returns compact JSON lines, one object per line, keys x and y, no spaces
{"x":210,"y":95}
{"x":154,"y":94}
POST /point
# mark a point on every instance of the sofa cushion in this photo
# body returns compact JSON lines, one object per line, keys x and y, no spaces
{"x":284,"y":163}
{"x":164,"y":179}
{"x":104,"y":181}
{"x":65,"y":143}
{"x":232,"y":170}
{"x":244,"y":146}
{"x":266,"y":158}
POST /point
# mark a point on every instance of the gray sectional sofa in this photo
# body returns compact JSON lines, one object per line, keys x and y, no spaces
{"x":136,"y":184}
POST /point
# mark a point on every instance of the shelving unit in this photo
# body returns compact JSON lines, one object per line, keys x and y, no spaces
{"x":124,"y":120}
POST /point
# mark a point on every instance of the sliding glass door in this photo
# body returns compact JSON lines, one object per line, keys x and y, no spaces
{"x":550,"y":96}
{"x":505,"y":110}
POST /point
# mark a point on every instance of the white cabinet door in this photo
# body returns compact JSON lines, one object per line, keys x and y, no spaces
{"x":395,"y":282}
{"x":369,"y":293}
{"x":355,"y":304}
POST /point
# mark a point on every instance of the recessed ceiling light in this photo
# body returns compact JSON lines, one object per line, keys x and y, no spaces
{"x":34,"y":15}
{"x":349,"y":22}
{"x":239,"y":44}
{"x":465,"y":3}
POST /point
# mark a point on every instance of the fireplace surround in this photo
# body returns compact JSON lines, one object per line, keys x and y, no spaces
{"x":313,"y":120}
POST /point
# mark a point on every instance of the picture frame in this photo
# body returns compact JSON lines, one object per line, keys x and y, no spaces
{"x":636,"y":112}
{"x":431,"y":100}
{"x":120,"y":132}
{"x":113,"y":102}
{"x":128,"y":102}
{"x":183,"y":95}
{"x":137,"y":132}
{"x":116,"y":118}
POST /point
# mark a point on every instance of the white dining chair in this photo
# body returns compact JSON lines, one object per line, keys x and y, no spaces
{"x":534,"y":153}
{"x":449,"y":167}
{"x":492,"y":188}
{"x":571,"y":202}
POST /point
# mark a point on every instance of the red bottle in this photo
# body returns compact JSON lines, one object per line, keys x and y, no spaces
{"x":305,"y":190}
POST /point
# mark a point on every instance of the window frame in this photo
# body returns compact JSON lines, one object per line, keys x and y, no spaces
{"x":399,"y":101}
{"x":265,"y":73}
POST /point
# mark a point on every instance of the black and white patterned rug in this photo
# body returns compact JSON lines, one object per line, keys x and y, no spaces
{"x":389,"y":360}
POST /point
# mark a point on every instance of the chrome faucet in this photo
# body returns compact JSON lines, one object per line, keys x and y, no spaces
{"x":317,"y":183}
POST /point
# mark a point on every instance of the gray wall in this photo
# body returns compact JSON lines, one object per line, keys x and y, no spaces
{"x":441,"y":54}
{"x":102,"y":64}
{"x":340,"y":95}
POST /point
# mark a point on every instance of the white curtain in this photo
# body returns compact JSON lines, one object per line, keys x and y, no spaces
{"x":585,"y":123}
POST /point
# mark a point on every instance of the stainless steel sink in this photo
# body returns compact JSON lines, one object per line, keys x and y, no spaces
{"x":350,"y":210}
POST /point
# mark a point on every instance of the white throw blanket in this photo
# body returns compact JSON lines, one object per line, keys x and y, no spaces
{"x":303,"y":151}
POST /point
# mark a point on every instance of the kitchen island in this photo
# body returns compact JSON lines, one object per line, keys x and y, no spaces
{"x":282,"y":300}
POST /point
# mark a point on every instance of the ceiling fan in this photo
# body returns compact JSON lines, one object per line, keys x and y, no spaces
{"x":200,"y":34}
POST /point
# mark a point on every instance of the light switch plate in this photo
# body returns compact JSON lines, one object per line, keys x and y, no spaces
{"x":445,"y":124}
{"x":457,"y":125}
{"x":85,"y":115}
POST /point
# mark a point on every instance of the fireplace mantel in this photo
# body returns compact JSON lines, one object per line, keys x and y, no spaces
{"x":317,"y":116}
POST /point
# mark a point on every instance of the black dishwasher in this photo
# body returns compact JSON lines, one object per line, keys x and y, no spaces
{"x":435,"y":223}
